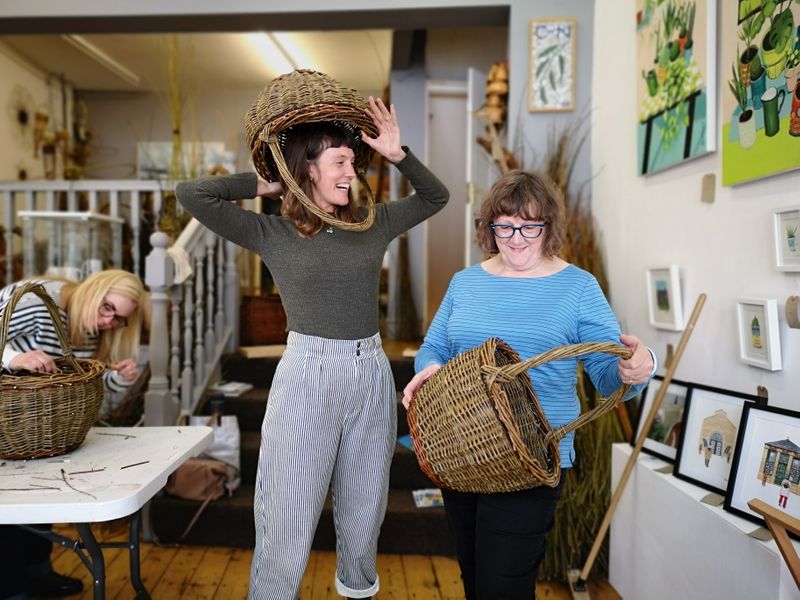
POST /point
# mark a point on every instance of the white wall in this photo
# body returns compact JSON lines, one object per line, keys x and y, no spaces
{"x":14,"y":152}
{"x":724,"y":249}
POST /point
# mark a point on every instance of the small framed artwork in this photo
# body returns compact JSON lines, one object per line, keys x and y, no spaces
{"x":664,"y":435}
{"x":766,"y":462}
{"x":711,"y":424}
{"x":759,"y":341}
{"x":786,"y":231}
{"x":664,"y":298}
{"x":551,"y":81}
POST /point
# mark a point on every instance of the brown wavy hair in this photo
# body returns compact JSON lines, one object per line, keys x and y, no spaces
{"x":304,"y":144}
{"x":529,"y":195}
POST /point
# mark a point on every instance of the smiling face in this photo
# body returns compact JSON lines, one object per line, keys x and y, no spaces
{"x":519,"y":253}
{"x":331,"y":174}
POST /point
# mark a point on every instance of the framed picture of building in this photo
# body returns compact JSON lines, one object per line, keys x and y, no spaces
{"x":766,"y":461}
{"x":786,"y":230}
{"x":759,"y":341}
{"x":664,"y":305}
{"x":711,"y":424}
{"x":664,"y":434}
{"x":551,"y":79}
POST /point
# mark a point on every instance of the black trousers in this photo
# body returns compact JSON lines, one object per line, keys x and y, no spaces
{"x":500,"y":539}
{"x":19,"y":550}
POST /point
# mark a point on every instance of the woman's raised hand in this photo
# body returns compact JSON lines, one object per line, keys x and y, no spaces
{"x":271,"y":189}
{"x":387,"y":143}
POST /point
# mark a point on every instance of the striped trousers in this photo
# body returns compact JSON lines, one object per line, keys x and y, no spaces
{"x":331,"y":422}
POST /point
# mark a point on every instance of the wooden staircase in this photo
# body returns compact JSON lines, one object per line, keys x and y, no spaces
{"x":228,"y":522}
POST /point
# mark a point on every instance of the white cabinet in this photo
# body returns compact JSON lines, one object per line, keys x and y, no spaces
{"x":667,"y":544}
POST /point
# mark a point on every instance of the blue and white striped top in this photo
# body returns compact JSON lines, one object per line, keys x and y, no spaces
{"x":532,"y":315}
{"x":31,"y":328}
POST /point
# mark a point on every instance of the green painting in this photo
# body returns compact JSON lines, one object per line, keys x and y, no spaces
{"x":761,"y":100}
{"x":676,"y":121}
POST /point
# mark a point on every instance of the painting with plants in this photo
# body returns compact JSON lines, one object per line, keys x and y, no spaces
{"x":551,"y":85}
{"x":761,"y":101}
{"x":675,"y":44}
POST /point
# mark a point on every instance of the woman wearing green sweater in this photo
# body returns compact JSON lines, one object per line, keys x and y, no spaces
{"x":331,"y":416}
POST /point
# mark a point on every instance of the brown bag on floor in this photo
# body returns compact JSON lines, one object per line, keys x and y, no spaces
{"x":203,"y":479}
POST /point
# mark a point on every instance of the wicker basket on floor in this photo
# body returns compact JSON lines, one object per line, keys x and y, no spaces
{"x":305,"y":96}
{"x":46,"y":414}
{"x":477,"y":425}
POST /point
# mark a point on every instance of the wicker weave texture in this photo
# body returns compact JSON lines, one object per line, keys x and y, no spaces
{"x":477,"y":425}
{"x":305,"y":96}
{"x":44,"y":414}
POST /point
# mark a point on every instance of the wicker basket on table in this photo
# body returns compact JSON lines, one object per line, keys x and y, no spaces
{"x":477,"y":425}
{"x":305,"y":96}
{"x":46,"y":414}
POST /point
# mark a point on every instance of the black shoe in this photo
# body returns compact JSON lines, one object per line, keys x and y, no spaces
{"x":53,"y":585}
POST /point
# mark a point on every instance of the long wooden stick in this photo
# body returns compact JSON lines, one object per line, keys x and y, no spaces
{"x":701,"y":299}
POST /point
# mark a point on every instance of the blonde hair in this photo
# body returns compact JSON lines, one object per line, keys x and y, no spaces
{"x":83,"y":304}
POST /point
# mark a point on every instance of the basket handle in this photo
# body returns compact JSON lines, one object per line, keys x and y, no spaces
{"x":274,"y":146}
{"x":508,"y":373}
{"x":38,"y":289}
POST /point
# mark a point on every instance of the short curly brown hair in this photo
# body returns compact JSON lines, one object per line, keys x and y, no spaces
{"x":529,"y":195}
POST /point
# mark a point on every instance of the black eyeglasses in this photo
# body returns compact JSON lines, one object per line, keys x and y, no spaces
{"x":109,"y":310}
{"x":529,"y":231}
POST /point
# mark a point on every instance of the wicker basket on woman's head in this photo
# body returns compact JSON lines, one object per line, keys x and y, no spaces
{"x":305,"y":96}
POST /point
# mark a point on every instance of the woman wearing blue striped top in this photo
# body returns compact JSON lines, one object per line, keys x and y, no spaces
{"x":529,"y":297}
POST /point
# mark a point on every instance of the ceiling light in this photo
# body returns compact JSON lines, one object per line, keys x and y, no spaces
{"x":82,"y":44}
{"x":272,"y":52}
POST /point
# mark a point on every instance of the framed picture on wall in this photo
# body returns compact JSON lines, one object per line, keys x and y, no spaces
{"x":786,"y":231}
{"x":676,"y":82}
{"x":551,"y":78}
{"x":711,"y":424}
{"x":665,"y":430}
{"x":664,"y":304}
{"x":759,"y":342}
{"x":766,"y":463}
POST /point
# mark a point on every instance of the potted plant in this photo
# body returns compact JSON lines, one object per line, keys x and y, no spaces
{"x":751,"y":27}
{"x":747,"y":124}
{"x":651,"y":80}
{"x":691,"y":9}
{"x":758,"y":82}
{"x":792,"y":71}
{"x":791,"y":238}
{"x":776,"y":42}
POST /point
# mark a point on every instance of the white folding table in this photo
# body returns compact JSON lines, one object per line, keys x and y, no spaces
{"x":113,"y":474}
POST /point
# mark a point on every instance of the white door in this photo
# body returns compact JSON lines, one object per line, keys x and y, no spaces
{"x":446,"y":143}
{"x":481,"y":170}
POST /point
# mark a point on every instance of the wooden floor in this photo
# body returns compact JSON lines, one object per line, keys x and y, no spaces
{"x":199,"y":573}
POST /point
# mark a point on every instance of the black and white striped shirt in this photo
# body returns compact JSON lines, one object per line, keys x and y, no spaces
{"x":32,"y":328}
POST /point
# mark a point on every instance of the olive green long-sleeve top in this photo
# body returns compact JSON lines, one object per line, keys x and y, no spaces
{"x":329,"y":283}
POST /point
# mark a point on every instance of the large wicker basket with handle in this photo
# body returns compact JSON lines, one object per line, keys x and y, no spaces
{"x":305,"y":96}
{"x":46,"y":414}
{"x":477,"y":425}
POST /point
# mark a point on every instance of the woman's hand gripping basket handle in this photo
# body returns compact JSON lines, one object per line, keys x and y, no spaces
{"x":508,"y":373}
{"x":52,"y":309}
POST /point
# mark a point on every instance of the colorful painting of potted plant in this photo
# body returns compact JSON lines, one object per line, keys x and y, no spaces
{"x":747,"y":122}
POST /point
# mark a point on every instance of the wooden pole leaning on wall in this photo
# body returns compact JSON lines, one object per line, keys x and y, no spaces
{"x":687,"y":332}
